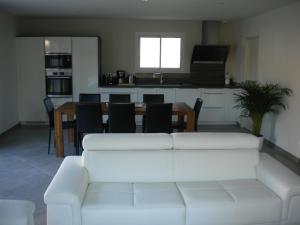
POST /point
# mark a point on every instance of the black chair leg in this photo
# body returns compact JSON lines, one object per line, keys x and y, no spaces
{"x":77,"y":144}
{"x":49,"y":140}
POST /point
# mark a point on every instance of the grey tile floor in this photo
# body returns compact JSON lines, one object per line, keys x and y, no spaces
{"x":26,"y":169}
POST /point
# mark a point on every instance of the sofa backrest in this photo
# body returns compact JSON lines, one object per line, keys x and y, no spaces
{"x":214,"y":156}
{"x":176,"y":157}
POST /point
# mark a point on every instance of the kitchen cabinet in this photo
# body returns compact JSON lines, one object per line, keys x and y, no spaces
{"x":105,"y":92}
{"x":58,"y":45}
{"x":169,"y":93}
{"x":31,"y":79}
{"x":85,"y":57}
{"x":232,"y":114}
{"x":187,"y":95}
{"x":213,"y":108}
{"x":142,"y":91}
{"x":217,"y":106}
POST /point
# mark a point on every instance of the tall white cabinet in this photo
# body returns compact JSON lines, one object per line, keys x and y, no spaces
{"x":31,"y":79}
{"x":85,"y":57}
{"x":30,"y":53}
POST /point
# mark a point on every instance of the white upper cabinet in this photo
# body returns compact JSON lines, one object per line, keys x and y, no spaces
{"x":31,"y":78}
{"x":85,"y":59}
{"x":58,"y":45}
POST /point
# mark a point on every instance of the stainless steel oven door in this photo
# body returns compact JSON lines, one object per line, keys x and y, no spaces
{"x":59,"y":86}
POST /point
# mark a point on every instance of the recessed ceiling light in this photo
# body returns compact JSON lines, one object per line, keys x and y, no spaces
{"x":144,"y":0}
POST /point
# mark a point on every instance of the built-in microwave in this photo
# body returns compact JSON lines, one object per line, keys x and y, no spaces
{"x":59,"y":86}
{"x":58,"y":61}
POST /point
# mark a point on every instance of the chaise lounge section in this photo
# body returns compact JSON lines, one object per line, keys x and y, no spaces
{"x":176,"y":179}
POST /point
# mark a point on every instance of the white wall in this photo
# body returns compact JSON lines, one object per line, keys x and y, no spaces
{"x":278,"y":62}
{"x":118,"y":36}
{"x":8,"y":75}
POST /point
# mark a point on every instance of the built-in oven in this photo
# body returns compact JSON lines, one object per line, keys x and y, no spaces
{"x":59,"y":86}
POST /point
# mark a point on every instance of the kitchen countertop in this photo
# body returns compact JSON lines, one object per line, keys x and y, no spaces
{"x":165,"y":86}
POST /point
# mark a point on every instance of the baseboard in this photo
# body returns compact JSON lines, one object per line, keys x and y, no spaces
{"x":33,"y":123}
{"x":280,"y":151}
{"x":10,"y":129}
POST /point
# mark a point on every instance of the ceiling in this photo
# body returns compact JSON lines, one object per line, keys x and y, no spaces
{"x":142,"y":9}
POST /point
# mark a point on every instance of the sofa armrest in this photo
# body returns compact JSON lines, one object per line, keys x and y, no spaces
{"x":282,"y":181}
{"x":67,"y":189}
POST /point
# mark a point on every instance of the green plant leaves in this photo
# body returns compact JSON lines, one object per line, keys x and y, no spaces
{"x":255,"y":100}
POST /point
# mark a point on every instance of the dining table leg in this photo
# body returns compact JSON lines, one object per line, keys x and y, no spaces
{"x":59,"y":144}
{"x":190,"y":121}
{"x":70,"y":117}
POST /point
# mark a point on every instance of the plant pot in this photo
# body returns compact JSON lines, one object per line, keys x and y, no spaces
{"x":261,"y":142}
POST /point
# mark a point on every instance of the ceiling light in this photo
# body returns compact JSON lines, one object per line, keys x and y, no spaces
{"x":144,"y":0}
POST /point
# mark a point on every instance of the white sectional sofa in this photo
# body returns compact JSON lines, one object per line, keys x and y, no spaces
{"x":177,"y":179}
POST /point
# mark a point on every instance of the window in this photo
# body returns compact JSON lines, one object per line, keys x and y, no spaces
{"x":159,"y":52}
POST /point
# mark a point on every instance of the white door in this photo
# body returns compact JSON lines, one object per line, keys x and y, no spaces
{"x":31,"y":78}
{"x":85,"y":65}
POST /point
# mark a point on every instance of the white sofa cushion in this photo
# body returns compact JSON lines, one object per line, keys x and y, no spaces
{"x":158,"y":195}
{"x":207,"y":140}
{"x":208,"y":165}
{"x":229,"y":203}
{"x":130,"y":141}
{"x":129,"y":166}
{"x":132,"y":204}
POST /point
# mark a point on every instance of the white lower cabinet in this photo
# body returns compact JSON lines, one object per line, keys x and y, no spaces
{"x":187,"y":95}
{"x":213,"y":108}
{"x":105,"y":92}
{"x":217,"y":108}
{"x":142,"y":91}
{"x":169,"y":94}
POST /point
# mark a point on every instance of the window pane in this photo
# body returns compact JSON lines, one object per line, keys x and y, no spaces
{"x":170,"y":52}
{"x":149,"y":52}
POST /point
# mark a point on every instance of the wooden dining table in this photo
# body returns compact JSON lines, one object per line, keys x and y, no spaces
{"x":180,"y":109}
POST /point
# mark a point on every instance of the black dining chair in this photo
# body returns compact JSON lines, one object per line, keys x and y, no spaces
{"x":93,"y":98}
{"x":153,"y":98}
{"x":119,"y":98}
{"x":121,"y":118}
{"x":158,"y":118}
{"x":50,"y":111}
{"x":181,"y":124}
{"x":88,"y":120}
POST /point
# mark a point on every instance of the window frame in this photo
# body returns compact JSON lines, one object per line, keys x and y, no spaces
{"x":160,"y":35}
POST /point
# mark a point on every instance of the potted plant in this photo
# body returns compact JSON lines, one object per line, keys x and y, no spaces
{"x":255,"y":100}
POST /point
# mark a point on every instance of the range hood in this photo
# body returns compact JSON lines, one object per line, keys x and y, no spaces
{"x":209,"y":54}
{"x":210,"y":51}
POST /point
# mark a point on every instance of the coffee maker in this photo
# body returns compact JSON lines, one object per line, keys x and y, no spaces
{"x":120,"y":76}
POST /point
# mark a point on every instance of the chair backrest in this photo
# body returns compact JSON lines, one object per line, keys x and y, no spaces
{"x":119,"y":98}
{"x":94,"y":98}
{"x":121,"y":118}
{"x":153,"y":98}
{"x":197,"y":108}
{"x":50,"y":110}
{"x":158,"y":118}
{"x":89,"y":118}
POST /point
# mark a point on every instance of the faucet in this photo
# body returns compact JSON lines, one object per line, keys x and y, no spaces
{"x":161,"y":79}
{"x":160,"y":76}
